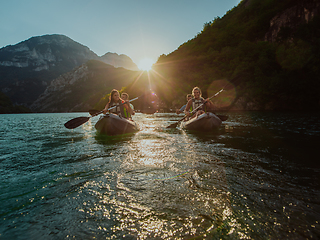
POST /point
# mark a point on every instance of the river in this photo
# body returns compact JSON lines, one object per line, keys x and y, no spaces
{"x":257,"y":177}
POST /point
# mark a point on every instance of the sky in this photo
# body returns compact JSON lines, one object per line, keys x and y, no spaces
{"x":140,"y":29}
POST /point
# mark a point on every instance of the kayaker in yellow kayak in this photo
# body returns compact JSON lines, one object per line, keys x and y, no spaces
{"x":122,"y":108}
{"x":196,"y":101}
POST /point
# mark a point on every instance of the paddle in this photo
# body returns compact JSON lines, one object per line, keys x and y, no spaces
{"x":145,"y":111}
{"x":76,"y":122}
{"x":93,"y":111}
{"x":222,"y":117}
{"x":174,"y":125}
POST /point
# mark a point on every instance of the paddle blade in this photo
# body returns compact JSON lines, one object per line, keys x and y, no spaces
{"x":76,"y":122}
{"x":222,"y":117}
{"x":173,"y":125}
{"x":93,"y":112}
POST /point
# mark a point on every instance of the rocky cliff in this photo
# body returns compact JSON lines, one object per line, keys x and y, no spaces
{"x":44,"y":53}
{"x":29,"y":66}
{"x":301,"y":13}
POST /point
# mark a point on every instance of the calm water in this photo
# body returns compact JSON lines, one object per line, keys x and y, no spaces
{"x":258,"y":177}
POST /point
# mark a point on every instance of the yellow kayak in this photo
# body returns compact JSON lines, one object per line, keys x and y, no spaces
{"x":204,"y":122}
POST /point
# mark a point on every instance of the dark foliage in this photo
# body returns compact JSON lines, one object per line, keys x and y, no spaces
{"x":6,"y":106}
{"x":274,"y":75}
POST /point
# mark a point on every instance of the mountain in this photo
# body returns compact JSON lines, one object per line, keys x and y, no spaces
{"x":83,"y":87}
{"x":264,"y":52}
{"x":119,"y":61}
{"x":27,"y":68}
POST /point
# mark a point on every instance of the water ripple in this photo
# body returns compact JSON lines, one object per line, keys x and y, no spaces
{"x":255,"y":178}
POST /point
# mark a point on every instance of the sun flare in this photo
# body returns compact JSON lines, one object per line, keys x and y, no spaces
{"x":145,"y":64}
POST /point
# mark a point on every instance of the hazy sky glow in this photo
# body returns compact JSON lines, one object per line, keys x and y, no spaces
{"x":138,"y":28}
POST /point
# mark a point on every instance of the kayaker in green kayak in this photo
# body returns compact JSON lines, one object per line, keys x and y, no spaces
{"x":122,"y":108}
{"x":125,"y":97}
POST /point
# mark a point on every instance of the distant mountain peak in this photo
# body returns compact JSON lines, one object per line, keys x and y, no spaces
{"x":43,"y":52}
{"x":29,"y":66}
{"x":117,"y":60}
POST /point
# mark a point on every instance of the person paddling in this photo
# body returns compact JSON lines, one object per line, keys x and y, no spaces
{"x":122,"y":108}
{"x":178,"y":111}
{"x":125,"y":97}
{"x":196,"y":101}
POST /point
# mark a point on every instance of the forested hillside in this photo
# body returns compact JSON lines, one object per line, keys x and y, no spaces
{"x":266,"y":50}
{"x":6,"y":106}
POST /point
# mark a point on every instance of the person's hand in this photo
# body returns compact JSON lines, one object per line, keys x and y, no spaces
{"x":126,"y":103}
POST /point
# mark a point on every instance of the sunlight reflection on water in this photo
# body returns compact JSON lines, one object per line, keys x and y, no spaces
{"x":161,"y":191}
{"x":244,"y":182}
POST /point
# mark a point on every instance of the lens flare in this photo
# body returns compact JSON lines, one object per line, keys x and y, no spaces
{"x":225,"y":98}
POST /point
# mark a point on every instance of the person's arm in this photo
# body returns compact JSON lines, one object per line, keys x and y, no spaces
{"x":105,"y":108}
{"x":183,"y":108}
{"x":186,"y":111}
{"x":133,"y":112}
{"x":209,"y":104}
{"x":128,"y":107}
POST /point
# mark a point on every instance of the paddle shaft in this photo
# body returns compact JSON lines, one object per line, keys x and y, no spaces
{"x":116,"y":106}
{"x":195,"y":110}
{"x":96,"y":114}
{"x":76,"y":122}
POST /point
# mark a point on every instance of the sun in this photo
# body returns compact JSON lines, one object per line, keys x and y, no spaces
{"x":145,"y":64}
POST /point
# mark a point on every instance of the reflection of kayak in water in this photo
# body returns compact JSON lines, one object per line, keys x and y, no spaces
{"x":111,"y":124}
{"x":205,"y":122}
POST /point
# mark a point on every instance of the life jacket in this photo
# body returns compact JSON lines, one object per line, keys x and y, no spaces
{"x":126,"y":113}
{"x":120,"y":110}
{"x":197,"y":103}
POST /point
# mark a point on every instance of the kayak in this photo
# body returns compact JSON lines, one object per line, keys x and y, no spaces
{"x":204,"y":122}
{"x":111,"y":125}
